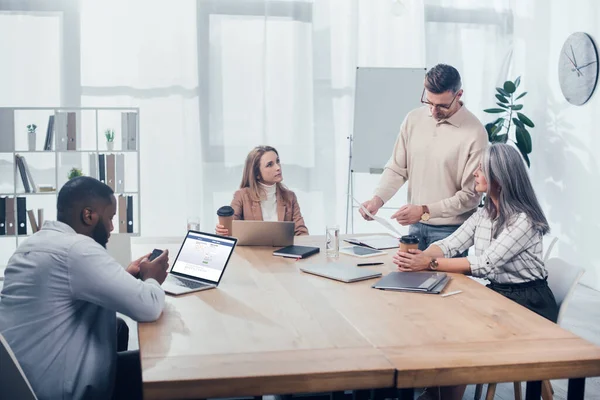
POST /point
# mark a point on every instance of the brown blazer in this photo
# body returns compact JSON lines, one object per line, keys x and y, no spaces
{"x":246,"y":209}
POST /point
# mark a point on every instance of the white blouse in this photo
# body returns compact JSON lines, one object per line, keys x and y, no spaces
{"x":269,"y":205}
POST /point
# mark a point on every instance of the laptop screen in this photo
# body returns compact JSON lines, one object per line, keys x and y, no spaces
{"x":203,"y":256}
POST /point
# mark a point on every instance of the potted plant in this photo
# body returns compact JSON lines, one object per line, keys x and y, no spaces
{"x":512,"y":125}
{"x":74,"y":172}
{"x":31,"y":136}
{"x":110,"y":139}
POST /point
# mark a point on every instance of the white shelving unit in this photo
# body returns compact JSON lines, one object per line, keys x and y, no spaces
{"x":91,"y":122}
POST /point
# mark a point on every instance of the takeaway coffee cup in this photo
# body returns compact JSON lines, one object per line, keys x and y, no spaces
{"x":408,"y":242}
{"x":225,"y":214}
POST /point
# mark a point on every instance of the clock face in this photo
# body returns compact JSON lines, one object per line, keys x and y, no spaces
{"x":578,"y":68}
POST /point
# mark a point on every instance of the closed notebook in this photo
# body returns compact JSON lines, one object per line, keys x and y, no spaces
{"x":423,"y":282}
{"x":296,"y":251}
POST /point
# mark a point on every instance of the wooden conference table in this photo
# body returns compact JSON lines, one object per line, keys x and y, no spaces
{"x":271,"y":329}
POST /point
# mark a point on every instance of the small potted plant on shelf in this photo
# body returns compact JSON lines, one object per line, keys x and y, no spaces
{"x":74,"y":172}
{"x":31,"y":136}
{"x":110,"y":139}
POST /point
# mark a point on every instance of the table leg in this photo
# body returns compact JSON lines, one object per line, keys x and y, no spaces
{"x":533,"y":391}
{"x":576,"y":389}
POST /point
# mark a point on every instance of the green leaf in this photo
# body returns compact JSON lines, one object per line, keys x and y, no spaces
{"x":525,"y":120}
{"x":509,"y":87}
{"x":490,"y":130}
{"x":517,"y":107}
{"x":494,"y":110}
{"x":496,"y":129}
{"x":518,"y":123}
{"x":503,"y":92}
{"x":517,"y":81}
{"x":521,"y":95}
{"x":501,"y":98}
{"x":526,"y":157}
{"x":523,"y":140}
{"x":501,"y":139}
{"x":505,"y":106}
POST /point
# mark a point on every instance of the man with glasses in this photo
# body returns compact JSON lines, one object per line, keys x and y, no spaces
{"x":437,"y":151}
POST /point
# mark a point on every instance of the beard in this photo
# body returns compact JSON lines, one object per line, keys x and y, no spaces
{"x":100,"y":233}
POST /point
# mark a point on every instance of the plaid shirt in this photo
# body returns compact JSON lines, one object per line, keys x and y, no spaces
{"x":515,"y":256}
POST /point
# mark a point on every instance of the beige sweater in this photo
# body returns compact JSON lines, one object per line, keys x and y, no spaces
{"x":438,"y":159}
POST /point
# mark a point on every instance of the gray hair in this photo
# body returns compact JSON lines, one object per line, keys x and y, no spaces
{"x":505,"y":172}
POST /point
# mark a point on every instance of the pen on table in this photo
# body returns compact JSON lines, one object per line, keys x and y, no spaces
{"x":367,"y":264}
{"x":451,"y":293}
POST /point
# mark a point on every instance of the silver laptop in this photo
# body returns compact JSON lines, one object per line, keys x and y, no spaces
{"x":200,"y":263}
{"x":341,"y":272}
{"x":263,"y":233}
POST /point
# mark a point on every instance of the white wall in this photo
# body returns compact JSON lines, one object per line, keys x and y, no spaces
{"x":565,"y":173}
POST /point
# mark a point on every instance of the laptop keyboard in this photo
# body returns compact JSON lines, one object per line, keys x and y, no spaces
{"x":188,"y":284}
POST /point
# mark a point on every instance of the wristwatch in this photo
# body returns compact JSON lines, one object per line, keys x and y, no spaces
{"x":425,"y":216}
{"x":433,"y":264}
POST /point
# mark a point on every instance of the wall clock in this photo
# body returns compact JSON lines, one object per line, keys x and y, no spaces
{"x":578,"y":68}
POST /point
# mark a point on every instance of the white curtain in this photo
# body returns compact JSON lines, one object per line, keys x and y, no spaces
{"x":476,"y":37}
{"x":213,"y":78}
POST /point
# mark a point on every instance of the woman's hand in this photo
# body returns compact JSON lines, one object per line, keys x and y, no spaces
{"x":221,"y":230}
{"x":414,"y":260}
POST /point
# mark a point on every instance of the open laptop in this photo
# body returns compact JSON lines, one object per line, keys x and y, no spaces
{"x":263,"y":233}
{"x":200,"y":263}
{"x":340,"y":272}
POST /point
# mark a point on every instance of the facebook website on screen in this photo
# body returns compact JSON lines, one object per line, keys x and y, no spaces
{"x":203,"y":256}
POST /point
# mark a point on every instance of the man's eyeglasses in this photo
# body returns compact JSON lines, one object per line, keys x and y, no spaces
{"x":441,"y":106}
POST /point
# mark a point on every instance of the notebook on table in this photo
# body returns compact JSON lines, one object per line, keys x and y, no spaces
{"x":422,"y":282}
{"x":340,"y":272}
{"x":378,"y":242}
{"x":296,"y":251}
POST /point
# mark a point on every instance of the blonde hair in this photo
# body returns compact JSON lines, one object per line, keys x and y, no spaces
{"x":251,"y":174}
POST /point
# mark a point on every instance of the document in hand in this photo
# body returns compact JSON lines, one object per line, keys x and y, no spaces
{"x":384,"y":222}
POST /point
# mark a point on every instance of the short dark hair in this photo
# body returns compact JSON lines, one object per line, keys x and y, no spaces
{"x":442,"y":78}
{"x":80,"y":191}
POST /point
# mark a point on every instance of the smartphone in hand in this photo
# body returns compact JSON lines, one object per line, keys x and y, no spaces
{"x":155,"y":254}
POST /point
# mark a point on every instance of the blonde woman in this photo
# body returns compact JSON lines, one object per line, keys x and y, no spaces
{"x":262,"y":196}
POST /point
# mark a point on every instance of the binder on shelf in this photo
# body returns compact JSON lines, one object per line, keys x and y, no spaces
{"x":71,"y":131}
{"x":94,"y":165}
{"x":129,"y":131}
{"x":129,"y":214}
{"x":40,"y":220}
{"x":49,"y":133}
{"x":2,"y":216}
{"x":124,"y":129}
{"x":132,"y":131}
{"x":7,"y":130}
{"x":60,"y":131}
{"x":122,"y":214}
{"x":23,"y":173}
{"x":120,"y":173}
{"x":110,"y":171}
{"x":21,"y":216}
{"x":10,"y":216}
{"x":32,"y":222}
{"x":101,"y":168}
{"x":28,"y":174}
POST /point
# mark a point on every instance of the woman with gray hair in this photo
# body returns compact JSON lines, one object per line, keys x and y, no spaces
{"x":506,"y":232}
